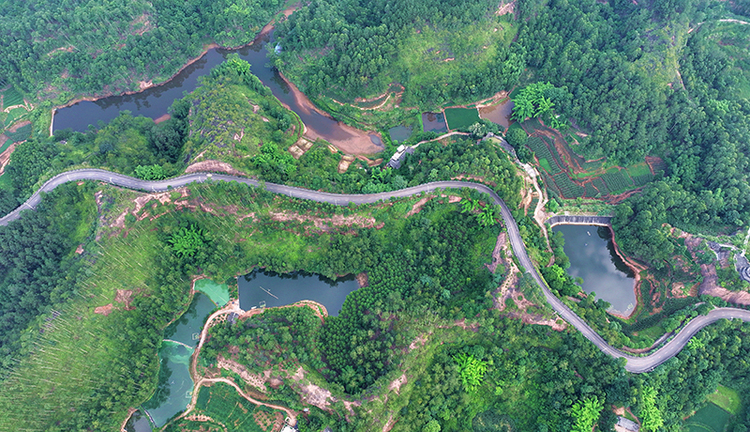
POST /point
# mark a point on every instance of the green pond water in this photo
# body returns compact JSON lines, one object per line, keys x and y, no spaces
{"x":175,"y":386}
{"x":218,"y":293}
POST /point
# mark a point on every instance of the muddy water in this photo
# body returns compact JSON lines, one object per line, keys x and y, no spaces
{"x":499,"y":113}
{"x":275,"y":289}
{"x":175,"y":386}
{"x":593,"y":258}
{"x":155,"y":101}
{"x":434,"y":122}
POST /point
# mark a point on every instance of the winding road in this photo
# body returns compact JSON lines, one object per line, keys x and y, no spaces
{"x":633,"y":364}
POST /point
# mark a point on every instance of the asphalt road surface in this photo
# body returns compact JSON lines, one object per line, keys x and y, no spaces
{"x":633,"y":364}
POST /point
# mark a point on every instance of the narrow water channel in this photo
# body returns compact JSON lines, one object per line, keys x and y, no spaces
{"x":155,"y":101}
{"x":259,"y":289}
{"x":175,"y":386}
{"x":593,"y":258}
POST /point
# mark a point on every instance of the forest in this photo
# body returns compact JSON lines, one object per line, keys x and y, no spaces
{"x":355,"y":49}
{"x":650,"y":78}
{"x":67,"y":49}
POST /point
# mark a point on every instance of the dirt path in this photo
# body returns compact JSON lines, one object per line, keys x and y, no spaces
{"x":231,"y":307}
{"x":291,"y":414}
{"x":5,"y":156}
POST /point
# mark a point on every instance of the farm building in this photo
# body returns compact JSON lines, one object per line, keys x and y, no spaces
{"x":624,"y":425}
{"x":399,"y":156}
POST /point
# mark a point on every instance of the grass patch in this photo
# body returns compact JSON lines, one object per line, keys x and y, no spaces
{"x":710,"y":418}
{"x":461,"y":118}
{"x":727,"y":399}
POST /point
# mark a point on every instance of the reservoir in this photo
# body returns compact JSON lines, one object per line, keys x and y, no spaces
{"x":593,"y":258}
{"x":271,"y":289}
{"x":154,"y":102}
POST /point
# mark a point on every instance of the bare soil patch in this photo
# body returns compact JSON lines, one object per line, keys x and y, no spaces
{"x":163,"y":118}
{"x":254,"y":380}
{"x":418,"y":342}
{"x":213,"y":166}
{"x":103,"y":310}
{"x":141,"y":25}
{"x":362,"y":280}
{"x":125,"y":297}
{"x":397,"y":383}
{"x":18,"y":125}
{"x":350,"y":140}
{"x":506,"y":8}
{"x":344,"y":163}
{"x":5,"y":156}
{"x":325,"y":223}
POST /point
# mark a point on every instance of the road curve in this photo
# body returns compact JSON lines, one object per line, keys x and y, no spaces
{"x":633,"y":364}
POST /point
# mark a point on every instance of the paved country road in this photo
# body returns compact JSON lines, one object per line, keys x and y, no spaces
{"x":633,"y":364}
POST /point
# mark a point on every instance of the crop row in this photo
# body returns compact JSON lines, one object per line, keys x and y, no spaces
{"x":600,"y":185}
{"x":642,"y":180}
{"x":567,"y":187}
{"x":590,"y":190}
{"x":551,"y":186}
{"x":553,"y":150}
{"x":540,"y":149}
{"x":617,"y":182}
{"x":12,"y":97}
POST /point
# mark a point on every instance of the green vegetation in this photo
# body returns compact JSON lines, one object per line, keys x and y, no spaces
{"x":710,"y":418}
{"x":538,"y":100}
{"x":440,"y":52}
{"x":649,"y":413}
{"x":586,"y":414}
{"x":471,"y":370}
{"x":227,"y":408}
{"x":461,"y":118}
{"x":187,"y":241}
{"x":727,"y":399}
{"x":89,"y":49}
{"x":150,"y":172}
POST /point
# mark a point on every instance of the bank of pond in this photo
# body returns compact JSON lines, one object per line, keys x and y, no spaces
{"x":257,"y":289}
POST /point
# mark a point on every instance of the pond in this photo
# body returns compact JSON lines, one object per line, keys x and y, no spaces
{"x":434,"y":122}
{"x":138,"y":422}
{"x":155,"y":101}
{"x":499,"y":113}
{"x":593,"y":258}
{"x":175,"y":386}
{"x":399,"y":133}
{"x":273,"y":289}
